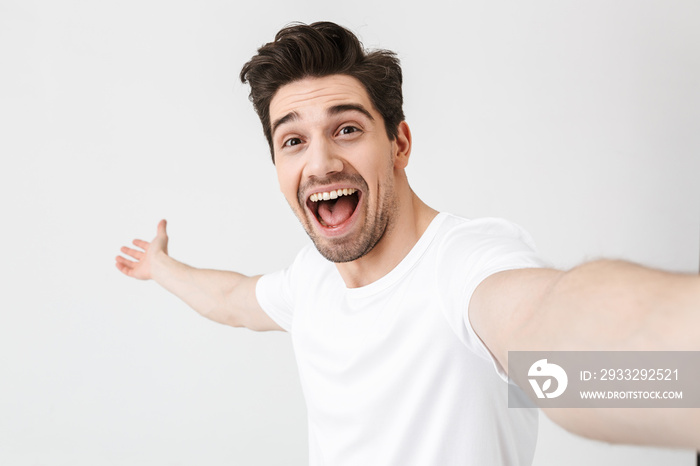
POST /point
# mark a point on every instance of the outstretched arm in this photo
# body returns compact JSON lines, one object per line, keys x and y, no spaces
{"x":600,"y":306}
{"x":222,"y":296}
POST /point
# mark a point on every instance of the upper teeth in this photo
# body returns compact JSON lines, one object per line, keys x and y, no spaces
{"x":335,"y":194}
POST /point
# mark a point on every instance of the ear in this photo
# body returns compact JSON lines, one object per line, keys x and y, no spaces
{"x":402,"y":146}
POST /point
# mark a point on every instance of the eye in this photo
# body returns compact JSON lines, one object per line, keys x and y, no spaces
{"x":348,"y":130}
{"x":291,"y":142}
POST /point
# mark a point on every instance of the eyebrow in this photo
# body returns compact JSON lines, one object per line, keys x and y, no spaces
{"x":292,"y":116}
{"x":335,"y":110}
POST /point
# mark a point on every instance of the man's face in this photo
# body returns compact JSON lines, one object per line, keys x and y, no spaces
{"x":335,"y":163}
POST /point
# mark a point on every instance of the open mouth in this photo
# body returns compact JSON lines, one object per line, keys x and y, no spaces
{"x":334,"y":208}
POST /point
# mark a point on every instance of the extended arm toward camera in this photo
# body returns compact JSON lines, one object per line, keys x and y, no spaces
{"x":222,"y":296}
{"x":599,"y":306}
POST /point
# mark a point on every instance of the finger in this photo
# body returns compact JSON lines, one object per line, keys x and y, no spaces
{"x":125,"y":266}
{"x":125,"y":262}
{"x":141,"y":243}
{"x":162,"y":225}
{"x":138,"y":255}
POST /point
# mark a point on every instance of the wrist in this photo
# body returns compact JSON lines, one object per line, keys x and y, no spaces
{"x":160,"y":263}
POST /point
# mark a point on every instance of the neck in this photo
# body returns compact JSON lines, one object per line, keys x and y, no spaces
{"x":409,"y":224}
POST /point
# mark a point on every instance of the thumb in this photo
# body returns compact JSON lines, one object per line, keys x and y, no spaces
{"x":162,"y":236}
{"x":161,"y":228}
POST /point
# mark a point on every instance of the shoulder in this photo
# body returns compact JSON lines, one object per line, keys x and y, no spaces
{"x":309,"y":271}
{"x":456,"y":230}
{"x":468,"y":251}
{"x":307,"y":262}
{"x":484,"y":244}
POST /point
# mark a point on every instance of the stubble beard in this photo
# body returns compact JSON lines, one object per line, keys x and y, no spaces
{"x":368,"y":233}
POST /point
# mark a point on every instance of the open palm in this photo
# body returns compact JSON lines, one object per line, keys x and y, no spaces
{"x":141,"y":266}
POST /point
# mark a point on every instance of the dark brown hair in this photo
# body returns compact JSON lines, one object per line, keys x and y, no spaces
{"x":323,"y":49}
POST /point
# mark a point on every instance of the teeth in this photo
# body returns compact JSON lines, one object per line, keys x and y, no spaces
{"x":335,"y":194}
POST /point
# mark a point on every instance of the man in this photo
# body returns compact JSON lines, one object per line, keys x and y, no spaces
{"x":402,"y":317}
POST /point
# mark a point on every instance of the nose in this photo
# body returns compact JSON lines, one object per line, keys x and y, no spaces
{"x":322,"y":159}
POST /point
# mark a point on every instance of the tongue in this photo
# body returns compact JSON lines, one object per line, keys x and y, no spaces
{"x":334,"y":213}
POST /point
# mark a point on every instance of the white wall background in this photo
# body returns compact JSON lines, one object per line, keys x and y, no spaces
{"x":578,"y":120}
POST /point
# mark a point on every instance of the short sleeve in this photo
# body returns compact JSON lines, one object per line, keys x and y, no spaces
{"x":276,"y":292}
{"x":470,"y":252}
{"x":273,"y":296}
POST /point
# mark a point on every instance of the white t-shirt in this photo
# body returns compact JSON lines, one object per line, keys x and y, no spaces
{"x":392,"y":372}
